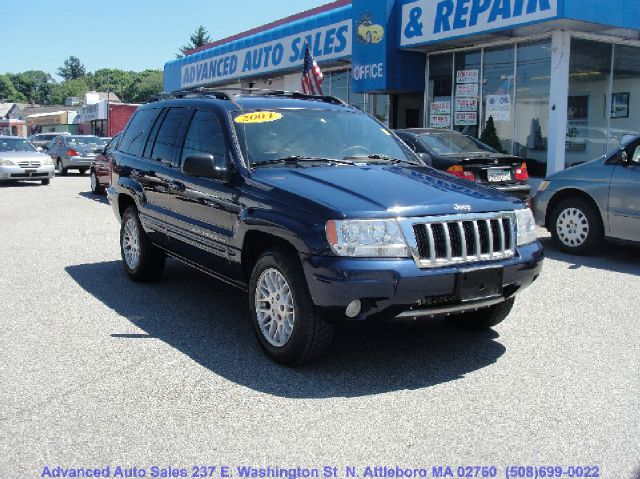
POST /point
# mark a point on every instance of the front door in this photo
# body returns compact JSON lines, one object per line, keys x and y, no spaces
{"x":624,"y":197}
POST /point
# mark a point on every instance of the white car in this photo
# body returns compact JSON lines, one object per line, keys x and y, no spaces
{"x":20,"y":160}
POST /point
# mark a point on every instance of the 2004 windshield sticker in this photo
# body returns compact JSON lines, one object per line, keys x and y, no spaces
{"x":258,"y":117}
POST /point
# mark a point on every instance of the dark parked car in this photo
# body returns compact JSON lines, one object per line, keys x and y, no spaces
{"x":100,"y":172}
{"x":319,"y":212}
{"x":468,"y":158}
{"x":582,"y":205}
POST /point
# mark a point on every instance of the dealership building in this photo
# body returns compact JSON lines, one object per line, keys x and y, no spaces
{"x":559,"y":78}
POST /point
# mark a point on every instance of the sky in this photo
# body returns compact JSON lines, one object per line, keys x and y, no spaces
{"x":124,"y":34}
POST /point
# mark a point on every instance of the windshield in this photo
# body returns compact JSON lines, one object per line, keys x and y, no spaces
{"x":83,"y":140}
{"x":9,"y":144}
{"x":335,"y":134}
{"x":451,"y":144}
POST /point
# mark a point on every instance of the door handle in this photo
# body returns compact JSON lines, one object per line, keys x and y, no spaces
{"x":176,"y":186}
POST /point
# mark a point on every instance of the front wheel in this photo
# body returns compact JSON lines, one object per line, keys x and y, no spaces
{"x":45,"y":182}
{"x":142,"y":260}
{"x":484,"y":318}
{"x":288,"y":326}
{"x":62,"y":171}
{"x":96,"y":187}
{"x":576,"y":226}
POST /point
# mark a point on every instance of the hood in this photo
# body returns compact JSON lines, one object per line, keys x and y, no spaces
{"x":579,"y":171}
{"x":385,"y":190}
{"x":24,"y":156}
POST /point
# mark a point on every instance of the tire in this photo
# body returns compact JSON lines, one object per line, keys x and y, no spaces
{"x":96,"y":188}
{"x":61,"y":170}
{"x":484,"y":318}
{"x":45,"y":182}
{"x":576,"y":227}
{"x":309,"y":334}
{"x":142,"y":260}
{"x":82,"y":170}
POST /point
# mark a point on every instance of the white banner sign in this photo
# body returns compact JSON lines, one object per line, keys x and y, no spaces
{"x":466,"y":104}
{"x":466,"y":118}
{"x":499,"y":107}
{"x":467,"y":89}
{"x":467,"y":76}
{"x":440,"y":107}
{"x":326,"y":43}
{"x":440,"y":121}
{"x":425,"y":21}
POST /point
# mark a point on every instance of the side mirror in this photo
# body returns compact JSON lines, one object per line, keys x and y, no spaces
{"x":40,"y":149}
{"x":426,"y":158}
{"x":206,"y":166}
{"x":622,"y":155}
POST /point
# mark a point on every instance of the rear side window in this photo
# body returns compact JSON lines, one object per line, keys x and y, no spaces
{"x":137,"y":132}
{"x":205,"y":136}
{"x":169,"y":137}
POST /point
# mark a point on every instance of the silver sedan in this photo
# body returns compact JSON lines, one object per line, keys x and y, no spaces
{"x":582,"y":205}
{"x":19,"y":160}
{"x":75,"y":152}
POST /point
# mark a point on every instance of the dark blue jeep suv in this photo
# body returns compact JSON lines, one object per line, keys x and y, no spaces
{"x":317,"y":210}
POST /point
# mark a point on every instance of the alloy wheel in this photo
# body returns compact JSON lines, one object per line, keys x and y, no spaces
{"x":131,"y":243}
{"x":275,"y":309}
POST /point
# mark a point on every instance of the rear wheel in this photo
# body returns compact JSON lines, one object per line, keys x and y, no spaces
{"x":287,"y":324}
{"x":96,"y":188}
{"x":576,"y":226}
{"x":484,"y":318}
{"x":142,"y":260}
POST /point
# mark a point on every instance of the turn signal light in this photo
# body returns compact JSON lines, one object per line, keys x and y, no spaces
{"x":72,"y":152}
{"x":460,"y":172}
{"x":521,"y":174}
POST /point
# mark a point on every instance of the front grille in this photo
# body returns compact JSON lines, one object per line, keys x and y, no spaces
{"x":441,"y":241}
{"x":29,"y":164}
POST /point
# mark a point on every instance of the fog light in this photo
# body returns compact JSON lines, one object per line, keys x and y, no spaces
{"x":354,"y":308}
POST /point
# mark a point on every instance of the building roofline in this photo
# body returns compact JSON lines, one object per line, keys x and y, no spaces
{"x":292,"y":18}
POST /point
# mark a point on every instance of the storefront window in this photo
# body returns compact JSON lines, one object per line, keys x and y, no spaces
{"x":467,"y":91}
{"x":587,"y":127}
{"x":533,"y":83}
{"x":379,"y":107}
{"x":625,"y":98}
{"x":440,"y":83}
{"x":338,"y":85}
{"x":497,"y":94}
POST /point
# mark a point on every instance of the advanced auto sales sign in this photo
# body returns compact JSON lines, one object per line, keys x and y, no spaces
{"x":425,"y":21}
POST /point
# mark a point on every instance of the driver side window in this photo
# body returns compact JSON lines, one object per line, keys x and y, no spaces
{"x":635,"y":158}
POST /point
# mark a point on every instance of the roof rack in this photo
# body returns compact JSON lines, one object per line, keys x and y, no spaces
{"x":221,"y":94}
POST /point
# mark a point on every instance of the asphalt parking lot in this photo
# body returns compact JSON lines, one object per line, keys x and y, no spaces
{"x":98,"y":370}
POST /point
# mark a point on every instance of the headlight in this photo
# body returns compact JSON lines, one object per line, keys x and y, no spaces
{"x":526,"y":226}
{"x":367,"y":238}
{"x":6,"y":163}
{"x":47,"y":161}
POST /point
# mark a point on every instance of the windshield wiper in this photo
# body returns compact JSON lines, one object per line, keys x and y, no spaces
{"x":378,"y":156}
{"x":295,"y":159}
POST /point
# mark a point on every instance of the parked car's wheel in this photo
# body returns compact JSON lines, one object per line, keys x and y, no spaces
{"x":45,"y":182}
{"x":62,"y":171}
{"x":96,"y":188}
{"x":287,"y":324}
{"x":142,"y":260}
{"x":484,"y":318}
{"x":576,"y":226}
{"x":82,"y":170}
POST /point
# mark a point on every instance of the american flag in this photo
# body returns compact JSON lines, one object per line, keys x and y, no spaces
{"x":312,"y":76}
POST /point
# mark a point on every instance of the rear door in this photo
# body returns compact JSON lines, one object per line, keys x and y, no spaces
{"x":624,"y":197}
{"x":204,"y":209}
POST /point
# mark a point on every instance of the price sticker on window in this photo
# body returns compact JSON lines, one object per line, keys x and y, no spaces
{"x":258,"y":117}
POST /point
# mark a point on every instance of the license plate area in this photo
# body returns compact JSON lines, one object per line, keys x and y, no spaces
{"x":479,"y":284}
{"x":499,"y":175}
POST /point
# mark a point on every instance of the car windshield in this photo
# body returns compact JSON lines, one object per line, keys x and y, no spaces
{"x":83,"y":140}
{"x":9,"y":144}
{"x":314,"y":133}
{"x":452,"y":144}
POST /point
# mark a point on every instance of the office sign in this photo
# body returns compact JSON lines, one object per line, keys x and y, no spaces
{"x":425,"y":21}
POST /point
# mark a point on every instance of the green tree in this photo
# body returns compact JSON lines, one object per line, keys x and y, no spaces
{"x":490,"y":136}
{"x":34,"y":85}
{"x":9,"y":92}
{"x":144,"y":85}
{"x":60,"y":91}
{"x":110,"y":80}
{"x":72,"y":69}
{"x":199,"y":38}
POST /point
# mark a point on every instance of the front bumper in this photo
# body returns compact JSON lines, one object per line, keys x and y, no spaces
{"x":399,"y":285}
{"x":539,"y":205}
{"x":18,"y":173}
